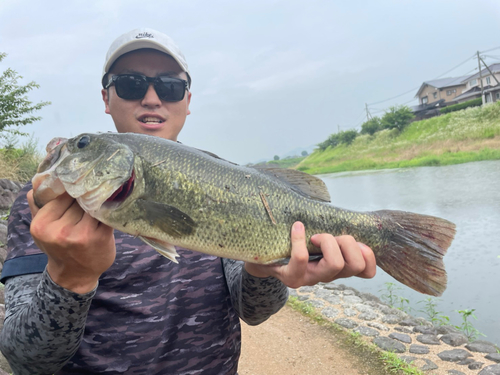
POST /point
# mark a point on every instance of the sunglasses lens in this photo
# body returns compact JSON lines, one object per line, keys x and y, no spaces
{"x":131,"y":87}
{"x":170,"y":89}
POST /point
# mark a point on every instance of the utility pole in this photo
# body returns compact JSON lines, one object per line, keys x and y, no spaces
{"x":487,"y":67}
{"x":368,"y":114}
{"x":480,"y":76}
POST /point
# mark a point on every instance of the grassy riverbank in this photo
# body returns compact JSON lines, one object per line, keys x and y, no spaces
{"x":458,"y":137}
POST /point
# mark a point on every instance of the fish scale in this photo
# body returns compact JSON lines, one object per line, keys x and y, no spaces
{"x":172,"y":194}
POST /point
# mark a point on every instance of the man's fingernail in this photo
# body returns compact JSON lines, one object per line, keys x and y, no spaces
{"x":298,"y":226}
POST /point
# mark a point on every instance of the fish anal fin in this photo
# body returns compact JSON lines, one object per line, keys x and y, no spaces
{"x":164,"y":248}
{"x":303,"y":183}
{"x":167,"y":218}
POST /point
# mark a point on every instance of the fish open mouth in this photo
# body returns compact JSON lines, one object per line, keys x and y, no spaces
{"x":123,"y":191}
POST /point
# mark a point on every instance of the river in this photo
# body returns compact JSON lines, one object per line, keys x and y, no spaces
{"x":466,"y":194}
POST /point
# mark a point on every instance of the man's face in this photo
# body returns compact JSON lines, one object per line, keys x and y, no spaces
{"x":149,"y":115}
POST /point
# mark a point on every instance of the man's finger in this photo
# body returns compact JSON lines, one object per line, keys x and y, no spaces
{"x":371,"y":262}
{"x":351,"y":251}
{"x":332,"y":262}
{"x":54,"y":209}
{"x":293,"y":273}
{"x":31,"y":202}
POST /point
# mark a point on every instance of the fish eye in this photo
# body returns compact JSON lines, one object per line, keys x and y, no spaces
{"x":83,"y":141}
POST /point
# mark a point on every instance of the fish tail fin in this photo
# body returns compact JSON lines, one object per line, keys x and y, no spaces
{"x":414,"y":254}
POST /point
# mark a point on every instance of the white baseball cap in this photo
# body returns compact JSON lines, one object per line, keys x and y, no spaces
{"x":143,"y":38}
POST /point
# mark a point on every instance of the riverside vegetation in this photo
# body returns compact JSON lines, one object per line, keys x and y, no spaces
{"x":472,"y":134}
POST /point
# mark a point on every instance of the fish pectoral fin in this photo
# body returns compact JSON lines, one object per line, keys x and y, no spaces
{"x":302,"y":183}
{"x":165,"y":249}
{"x":169,"y":219}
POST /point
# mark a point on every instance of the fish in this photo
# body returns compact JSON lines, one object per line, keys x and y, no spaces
{"x":170,"y":194}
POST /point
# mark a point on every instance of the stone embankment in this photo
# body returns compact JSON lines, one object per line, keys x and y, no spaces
{"x":433,"y":350}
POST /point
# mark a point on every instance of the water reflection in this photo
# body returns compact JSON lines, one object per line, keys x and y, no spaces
{"x":466,"y":194}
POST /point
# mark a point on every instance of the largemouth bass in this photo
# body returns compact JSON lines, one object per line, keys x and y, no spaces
{"x":171,"y":194}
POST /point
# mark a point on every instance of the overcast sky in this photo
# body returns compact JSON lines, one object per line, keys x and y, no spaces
{"x":268,"y":76}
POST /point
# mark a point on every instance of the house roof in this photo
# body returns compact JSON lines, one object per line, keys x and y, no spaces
{"x":492,"y":88}
{"x":475,"y":91}
{"x":495,"y":68}
{"x":442,"y":83}
{"x":427,"y":106}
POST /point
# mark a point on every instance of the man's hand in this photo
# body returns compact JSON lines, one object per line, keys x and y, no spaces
{"x":79,"y":248}
{"x":342,"y":257}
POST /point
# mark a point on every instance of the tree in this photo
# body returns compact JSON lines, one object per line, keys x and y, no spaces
{"x":15,"y":107}
{"x":347,"y":136}
{"x":371,"y":126}
{"x":304,"y":153}
{"x":276,"y":157}
{"x":398,"y":117}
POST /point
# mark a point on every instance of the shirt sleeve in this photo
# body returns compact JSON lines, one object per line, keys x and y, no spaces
{"x":44,"y":324}
{"x":255,"y":299}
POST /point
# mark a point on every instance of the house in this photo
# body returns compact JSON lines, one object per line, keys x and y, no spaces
{"x":436,"y":94}
{"x":443,"y":88}
{"x":491,"y":86}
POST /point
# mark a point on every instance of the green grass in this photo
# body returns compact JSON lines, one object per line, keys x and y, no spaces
{"x":381,"y":362}
{"x":464,"y":136}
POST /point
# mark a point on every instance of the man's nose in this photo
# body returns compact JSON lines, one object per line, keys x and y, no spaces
{"x":151,"y":98}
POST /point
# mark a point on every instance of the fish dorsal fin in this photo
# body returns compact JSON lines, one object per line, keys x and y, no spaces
{"x":165,"y":249}
{"x":303,"y":183}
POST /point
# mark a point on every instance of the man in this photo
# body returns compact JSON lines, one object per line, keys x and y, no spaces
{"x":82,"y":298}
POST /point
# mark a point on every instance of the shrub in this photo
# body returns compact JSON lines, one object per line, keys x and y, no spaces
{"x":457,"y":107}
{"x":371,"y":126}
{"x":343,"y":137}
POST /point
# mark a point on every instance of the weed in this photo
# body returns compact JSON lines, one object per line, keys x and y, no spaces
{"x":432,"y":314}
{"x":389,"y":296}
{"x":392,"y":299}
{"x":19,"y":164}
{"x":466,"y":327}
{"x":396,"y":365}
{"x":5,"y":216}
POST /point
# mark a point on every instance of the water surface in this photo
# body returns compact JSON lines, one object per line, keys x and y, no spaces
{"x":466,"y":194}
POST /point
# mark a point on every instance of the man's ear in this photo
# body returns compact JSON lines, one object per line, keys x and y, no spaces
{"x":188,"y":101}
{"x":105,"y":98}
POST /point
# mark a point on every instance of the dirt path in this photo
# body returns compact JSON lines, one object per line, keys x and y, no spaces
{"x":291,"y":344}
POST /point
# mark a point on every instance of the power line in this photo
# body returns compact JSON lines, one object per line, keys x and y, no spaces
{"x":362,"y":114}
{"x":490,"y":50}
{"x":409,"y":101}
{"x":395,"y":97}
{"x":448,"y":71}
{"x":492,"y":57}
{"x":463,"y":62}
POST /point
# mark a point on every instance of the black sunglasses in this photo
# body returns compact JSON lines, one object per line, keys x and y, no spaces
{"x":135,"y":86}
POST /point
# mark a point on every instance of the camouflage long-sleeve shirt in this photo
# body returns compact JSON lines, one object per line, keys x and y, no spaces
{"x":147,"y":316}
